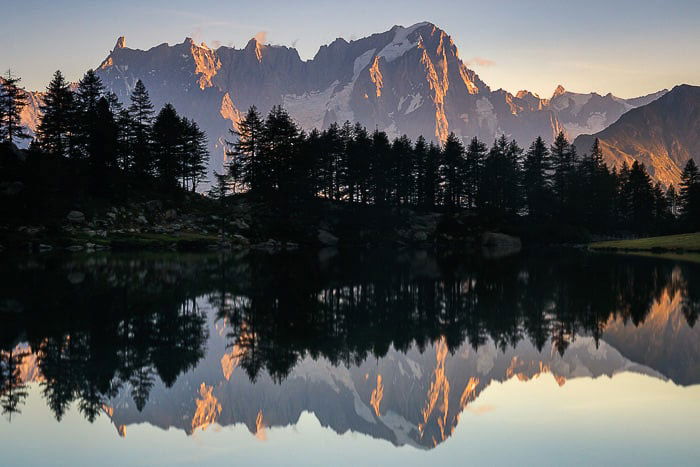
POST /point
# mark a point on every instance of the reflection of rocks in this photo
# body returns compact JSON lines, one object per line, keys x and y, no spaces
{"x":76,"y":217}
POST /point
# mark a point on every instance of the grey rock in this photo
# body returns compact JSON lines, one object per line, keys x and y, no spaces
{"x":240,"y":224}
{"x":141,"y":219}
{"x":170,"y":214}
{"x":76,"y":277}
{"x":154,"y":205}
{"x":76,"y":217}
{"x":75,"y":248}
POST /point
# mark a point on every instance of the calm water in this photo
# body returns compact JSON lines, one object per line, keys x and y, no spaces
{"x":373,"y":358}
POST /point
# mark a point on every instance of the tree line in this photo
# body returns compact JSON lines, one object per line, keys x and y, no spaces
{"x":89,"y":127}
{"x":274,"y":159}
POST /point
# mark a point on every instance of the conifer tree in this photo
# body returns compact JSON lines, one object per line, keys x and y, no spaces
{"x":12,"y":100}
{"x":563,"y":166}
{"x":87,"y":94}
{"x":689,"y":199}
{"x":195,"y":155}
{"x":140,"y":120}
{"x":58,"y":111}
{"x":168,"y":150}
{"x":431,"y":184}
{"x":380,"y":167}
{"x":536,"y":168}
{"x":281,"y":144}
{"x":474,"y":167}
{"x":247,"y":153}
{"x":452,"y":172}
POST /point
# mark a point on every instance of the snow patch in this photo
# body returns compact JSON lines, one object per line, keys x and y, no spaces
{"x":361,"y":63}
{"x":486,"y":115}
{"x":416,"y":101}
{"x":400,"y":44}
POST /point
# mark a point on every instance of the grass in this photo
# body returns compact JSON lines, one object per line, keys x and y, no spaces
{"x":682,"y":242}
{"x":183,"y":241}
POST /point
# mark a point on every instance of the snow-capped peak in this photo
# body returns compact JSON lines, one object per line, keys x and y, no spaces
{"x":401,"y":42}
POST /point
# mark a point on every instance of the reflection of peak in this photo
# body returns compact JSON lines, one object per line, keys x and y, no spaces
{"x":558,"y":91}
{"x":412,"y":398}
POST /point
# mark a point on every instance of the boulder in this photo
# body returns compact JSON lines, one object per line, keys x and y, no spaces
{"x":154,"y":205}
{"x":170,"y":214}
{"x":141,"y":220}
{"x":326,"y":238}
{"x":76,"y":217}
{"x":240,"y":224}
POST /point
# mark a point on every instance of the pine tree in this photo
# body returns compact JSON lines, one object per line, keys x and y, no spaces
{"x":404,"y":183}
{"x":431,"y":184}
{"x":359,"y":164}
{"x":12,"y":101}
{"x":168,"y":151}
{"x":563,"y":166}
{"x":282,"y":140}
{"x":195,"y":155}
{"x":689,"y":199}
{"x":536,"y":180}
{"x":381,"y":167}
{"x":58,"y":111}
{"x":500,"y":190}
{"x":140,"y":119}
{"x":672,"y":200}
{"x":452,"y":172}
{"x":247,"y":153}
{"x":87,"y":94}
{"x":474,"y":167}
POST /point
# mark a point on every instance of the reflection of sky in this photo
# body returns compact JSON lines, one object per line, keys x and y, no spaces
{"x":627,"y":419}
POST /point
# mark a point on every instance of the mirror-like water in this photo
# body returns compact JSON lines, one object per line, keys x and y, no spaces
{"x":354,"y":357}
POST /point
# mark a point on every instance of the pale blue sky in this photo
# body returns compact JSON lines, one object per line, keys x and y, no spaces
{"x":626,"y":47}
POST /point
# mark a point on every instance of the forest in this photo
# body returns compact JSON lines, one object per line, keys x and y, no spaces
{"x":91,"y":145}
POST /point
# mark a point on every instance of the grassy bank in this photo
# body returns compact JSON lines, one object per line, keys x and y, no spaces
{"x":682,"y":242}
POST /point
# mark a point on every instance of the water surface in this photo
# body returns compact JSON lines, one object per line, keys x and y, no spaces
{"x":377,"y":357}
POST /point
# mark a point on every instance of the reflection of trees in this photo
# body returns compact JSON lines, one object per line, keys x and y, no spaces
{"x":13,"y":390}
{"x":123,"y":324}
{"x":289,"y":306}
{"x":114,"y":322}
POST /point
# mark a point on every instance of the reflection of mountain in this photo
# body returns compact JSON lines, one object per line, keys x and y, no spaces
{"x":390,"y":345}
{"x":412,"y":398}
{"x":664,"y":340}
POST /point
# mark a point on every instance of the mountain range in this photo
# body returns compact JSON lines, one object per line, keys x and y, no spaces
{"x":407,"y":80}
{"x":663,"y":135}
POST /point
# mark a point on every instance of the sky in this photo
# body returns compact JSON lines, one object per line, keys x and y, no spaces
{"x":626,"y":47}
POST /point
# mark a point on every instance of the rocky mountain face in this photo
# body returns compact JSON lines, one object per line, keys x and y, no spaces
{"x":591,"y":113}
{"x":408,"y":80}
{"x":662,"y":134}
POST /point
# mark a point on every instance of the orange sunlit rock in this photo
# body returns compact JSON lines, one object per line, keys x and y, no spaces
{"x":377,"y":395}
{"x":208,"y":408}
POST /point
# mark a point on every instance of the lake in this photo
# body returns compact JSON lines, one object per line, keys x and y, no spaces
{"x":379,"y":357}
